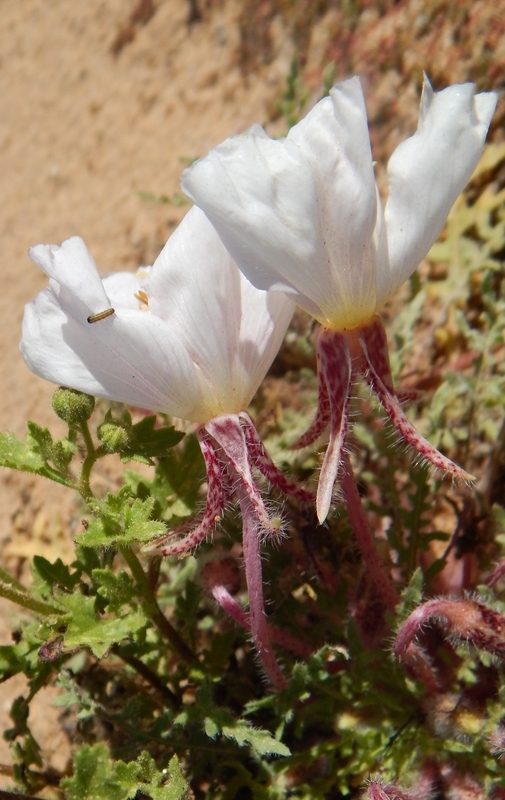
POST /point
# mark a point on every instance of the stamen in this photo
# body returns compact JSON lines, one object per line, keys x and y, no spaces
{"x":142,"y":297}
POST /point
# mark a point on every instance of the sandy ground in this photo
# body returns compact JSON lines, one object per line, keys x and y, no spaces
{"x":99,"y":106}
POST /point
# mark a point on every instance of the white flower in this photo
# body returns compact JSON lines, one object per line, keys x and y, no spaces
{"x":302,"y":215}
{"x":199,"y":349}
{"x":190,"y":337}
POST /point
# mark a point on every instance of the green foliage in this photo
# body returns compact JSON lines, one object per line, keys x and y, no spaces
{"x":142,"y":441}
{"x":81,"y":626}
{"x":39,"y":455}
{"x":98,"y":777}
{"x":120,"y":519}
{"x":218,"y":721}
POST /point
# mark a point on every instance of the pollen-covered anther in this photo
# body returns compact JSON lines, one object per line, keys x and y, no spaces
{"x":143,"y":299}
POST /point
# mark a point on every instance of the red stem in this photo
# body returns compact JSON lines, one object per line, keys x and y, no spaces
{"x":364,"y":536}
{"x":252,"y":564}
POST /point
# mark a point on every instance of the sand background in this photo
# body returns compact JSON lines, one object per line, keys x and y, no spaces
{"x":101,"y":103}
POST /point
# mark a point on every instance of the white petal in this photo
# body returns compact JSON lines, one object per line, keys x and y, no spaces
{"x":231,"y":330}
{"x":200,"y":350}
{"x":122,"y":287}
{"x":74,"y":276}
{"x":123,"y":357}
{"x":298,"y":215}
{"x":427,"y":172}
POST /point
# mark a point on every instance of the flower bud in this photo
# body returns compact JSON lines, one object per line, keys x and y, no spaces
{"x":114,"y":435}
{"x":72,"y":406}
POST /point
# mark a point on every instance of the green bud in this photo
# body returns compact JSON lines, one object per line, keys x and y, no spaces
{"x":115,"y":436}
{"x":72,"y":406}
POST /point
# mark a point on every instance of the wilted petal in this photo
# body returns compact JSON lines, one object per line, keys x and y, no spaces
{"x":426,"y":174}
{"x":298,"y":215}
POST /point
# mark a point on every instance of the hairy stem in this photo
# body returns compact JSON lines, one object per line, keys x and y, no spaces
{"x":363,"y":534}
{"x":241,"y":617}
{"x":154,"y":611}
{"x":252,"y":563}
{"x":22,"y":598}
{"x":92,"y":455}
{"x":166,"y":695}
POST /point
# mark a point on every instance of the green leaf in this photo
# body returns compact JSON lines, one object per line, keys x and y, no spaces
{"x":73,"y":694}
{"x":148,"y":442}
{"x":16,"y":454}
{"x":59,"y":453}
{"x":118,"y":589}
{"x":94,"y":777}
{"x":98,"y":777}
{"x":412,"y":595}
{"x":121,"y":520}
{"x":35,"y":454}
{"x":81,"y":625}
{"x":56,"y":573}
{"x":20,"y":657}
{"x":219,"y":721}
{"x":261,"y":741}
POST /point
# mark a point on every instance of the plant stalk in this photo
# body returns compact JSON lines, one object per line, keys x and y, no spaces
{"x":364,"y":538}
{"x":154,"y":611}
{"x":22,"y":598}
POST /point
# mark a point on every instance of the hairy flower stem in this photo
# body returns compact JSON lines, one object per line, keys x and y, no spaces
{"x":154,"y":611}
{"x":464,"y":620}
{"x":241,"y":617}
{"x":364,"y":538}
{"x":10,"y":580}
{"x":92,"y":455}
{"x":252,"y":564}
{"x":22,"y":598}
